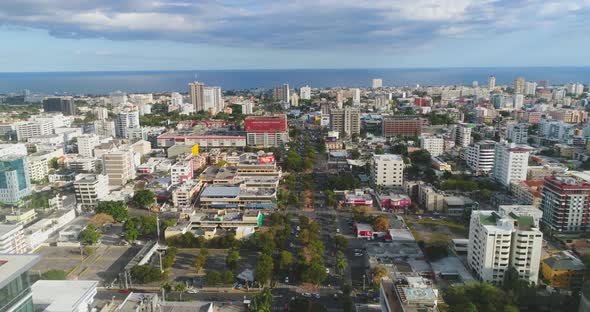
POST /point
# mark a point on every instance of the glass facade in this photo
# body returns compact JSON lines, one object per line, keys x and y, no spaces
{"x":15,"y":291}
{"x":17,"y":165}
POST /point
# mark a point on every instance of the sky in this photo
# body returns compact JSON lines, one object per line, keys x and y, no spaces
{"x":102,"y":35}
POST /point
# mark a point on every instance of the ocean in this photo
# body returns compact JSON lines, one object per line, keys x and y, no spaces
{"x":77,"y":83}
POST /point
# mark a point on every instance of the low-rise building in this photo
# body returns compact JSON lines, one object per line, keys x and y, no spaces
{"x":183,"y":195}
{"x":358,"y":197}
{"x":90,"y":188}
{"x":12,"y":239}
{"x":429,"y":199}
{"x":564,"y":271}
{"x":456,"y":206}
{"x":207,"y":224}
{"x":222,"y":197}
{"x":408,"y":294}
{"x":527,"y":192}
{"x":440,"y":164}
{"x":64,"y":296}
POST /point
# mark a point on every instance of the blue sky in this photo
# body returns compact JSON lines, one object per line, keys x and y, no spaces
{"x":71,"y":35}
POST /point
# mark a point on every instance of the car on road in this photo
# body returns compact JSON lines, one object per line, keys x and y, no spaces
{"x":358,"y":254}
{"x":192,"y":291}
{"x":306,"y":295}
{"x":317,"y":296}
{"x":328,"y":270}
{"x":287,"y":280}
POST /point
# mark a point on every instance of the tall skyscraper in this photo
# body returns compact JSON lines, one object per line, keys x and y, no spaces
{"x":305,"y":93}
{"x":566,"y":204}
{"x":377,"y":83}
{"x":126,"y":119}
{"x":461,"y":134}
{"x":282,"y":93}
{"x":519,"y":85}
{"x":530,"y":88}
{"x":510,"y":163}
{"x":196,"y":95}
{"x":518,"y":100}
{"x":64,"y":105}
{"x":492,"y":82}
{"x":356,"y":96}
{"x":86,"y":144}
{"x":499,"y":241}
{"x":213,"y":100}
{"x":480,"y":156}
{"x":15,"y":183}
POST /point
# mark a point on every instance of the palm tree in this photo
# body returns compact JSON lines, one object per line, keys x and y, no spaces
{"x":180,"y":288}
{"x":341,"y":263}
{"x":167,"y":289}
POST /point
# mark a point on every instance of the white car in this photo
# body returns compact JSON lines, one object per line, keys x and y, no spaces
{"x":328,"y":270}
{"x":287,"y":280}
{"x":192,"y":291}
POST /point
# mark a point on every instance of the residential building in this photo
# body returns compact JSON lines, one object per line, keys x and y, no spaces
{"x":105,"y":128}
{"x":101,"y":113}
{"x":89,"y":189}
{"x":564,"y":271}
{"x":498,"y":242}
{"x":196,"y":95}
{"x":126,"y":119}
{"x":282,"y":93}
{"x":387,"y":170}
{"x":461,"y":134}
{"x":38,"y":163}
{"x":119,"y":166}
{"x":566,"y":204}
{"x":492,"y":83}
{"x":459,"y":206}
{"x":183,"y":195}
{"x":518,"y":133}
{"x":433,"y":144}
{"x":402,"y":126}
{"x":517,"y":101}
{"x":181,"y":171}
{"x":511,"y":162}
{"x":377,"y":83}
{"x":13,"y":149}
{"x":527,"y":192}
{"x":429,"y":199}
{"x":213,"y":100}
{"x":530,"y":88}
{"x":267,"y":131}
{"x":480,"y":156}
{"x":86,"y":144}
{"x":63,"y":105}
{"x":64,"y":296}
{"x":346,"y":121}
{"x":305,"y":93}
{"x":12,"y":239}
{"x":294,"y":100}
{"x":15,"y":284}
{"x":439,"y":164}
{"x":15,"y":183}
{"x":204,"y":141}
{"x":29,"y":129}
{"x":356,"y":96}
{"x":519,"y":85}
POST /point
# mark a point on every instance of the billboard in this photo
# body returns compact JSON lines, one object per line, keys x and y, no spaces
{"x":195,"y":150}
{"x":268,"y":159}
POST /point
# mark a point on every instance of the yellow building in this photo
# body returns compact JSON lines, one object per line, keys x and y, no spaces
{"x":564,"y":271}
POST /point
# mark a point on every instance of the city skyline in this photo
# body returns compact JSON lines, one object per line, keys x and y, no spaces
{"x":132,"y":35}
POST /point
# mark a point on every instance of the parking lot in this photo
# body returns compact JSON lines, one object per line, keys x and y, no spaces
{"x":104,"y":264}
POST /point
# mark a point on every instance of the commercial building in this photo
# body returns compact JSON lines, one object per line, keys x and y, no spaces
{"x":14,"y":179}
{"x":63,"y":105}
{"x":15,"y":284}
{"x":229,"y":196}
{"x":499,"y":241}
{"x":64,"y":296}
{"x":458,"y":206}
{"x":434,"y":145}
{"x":518,"y":133}
{"x":511,"y":162}
{"x":480,"y":156}
{"x":89,"y":189}
{"x":183,"y":195}
{"x":204,"y":141}
{"x":387,"y":170}
{"x":430,"y":199}
{"x":266,"y":131}
{"x":346,"y":121}
{"x":566,"y":204}
{"x":564,"y":271}
{"x":86,"y":144}
{"x":461,"y":134}
{"x":209,"y":224}
{"x":402,"y":126}
{"x":39,"y":232}
{"x":12,"y":239}
{"x":119,"y":166}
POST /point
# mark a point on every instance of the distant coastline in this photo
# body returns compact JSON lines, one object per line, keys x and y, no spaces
{"x":104,"y":82}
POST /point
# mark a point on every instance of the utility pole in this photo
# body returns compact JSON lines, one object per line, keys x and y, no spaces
{"x":158,"y":233}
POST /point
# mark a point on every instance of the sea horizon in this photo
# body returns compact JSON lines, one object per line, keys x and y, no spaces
{"x":138,"y":81}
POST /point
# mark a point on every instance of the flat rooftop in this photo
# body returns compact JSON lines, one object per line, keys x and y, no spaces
{"x":11,"y":266}
{"x":62,"y":295}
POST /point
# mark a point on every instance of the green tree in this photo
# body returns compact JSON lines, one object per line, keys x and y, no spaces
{"x":379,"y":151}
{"x":144,"y":198}
{"x":381,"y":224}
{"x":285,"y":260}
{"x":180,"y":288}
{"x":54,"y":275}
{"x":144,"y":274}
{"x":54,"y":163}
{"x":227,"y":277}
{"x":232,"y":259}
{"x":263,"y":271}
{"x":314,"y":273}
{"x":200,"y":259}
{"x":261,"y":302}
{"x":340,"y":242}
{"x":117,"y":209}
{"x":341,"y":263}
{"x":90,"y":235}
{"x":378,"y":273}
{"x":213,"y":278}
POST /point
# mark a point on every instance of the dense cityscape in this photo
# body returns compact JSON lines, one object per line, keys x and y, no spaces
{"x":296,"y":198}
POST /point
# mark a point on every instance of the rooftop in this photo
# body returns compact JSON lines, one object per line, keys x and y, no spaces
{"x":60,"y":296}
{"x":564,"y":261}
{"x":11,"y":266}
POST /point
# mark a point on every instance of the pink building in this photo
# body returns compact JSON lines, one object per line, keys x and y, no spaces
{"x":395,"y":202}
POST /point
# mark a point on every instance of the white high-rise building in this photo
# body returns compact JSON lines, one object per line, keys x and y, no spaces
{"x":118,"y":98}
{"x":461,"y":134}
{"x":356,"y":96}
{"x":181,"y":171}
{"x":12,"y":239}
{"x":176,"y":99}
{"x":294,"y":100}
{"x":387,"y":170}
{"x":305,"y":93}
{"x":87,"y":143}
{"x":499,"y":241}
{"x":90,"y":188}
{"x":518,"y":100}
{"x":480,"y":156}
{"x":213,"y":100}
{"x":511,"y":163}
{"x":530,"y":88}
{"x":492,"y":82}
{"x":101,"y":113}
{"x":377,"y":83}
{"x":434,"y":145}
{"x":126,"y":119}
{"x":29,"y":129}
{"x":518,"y":133}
